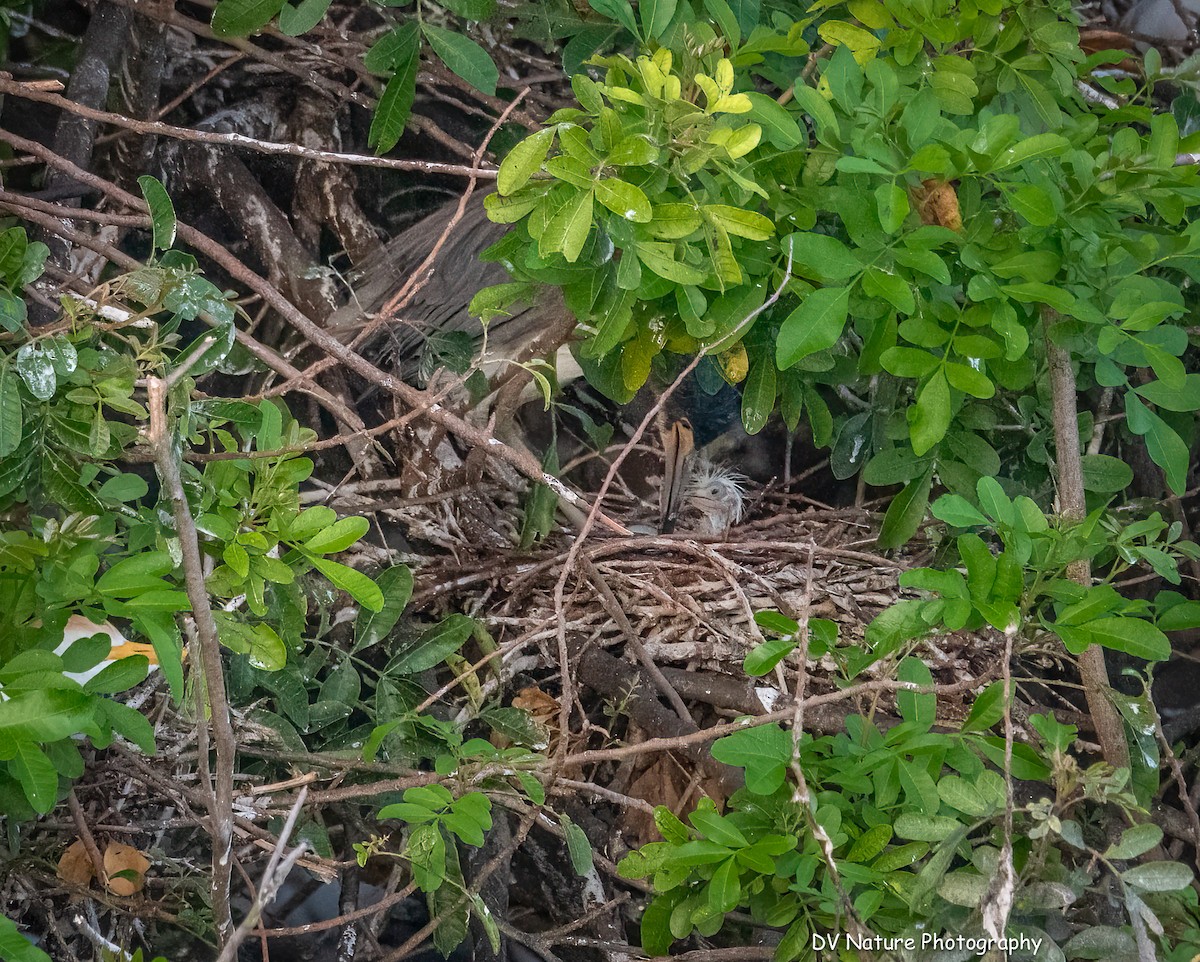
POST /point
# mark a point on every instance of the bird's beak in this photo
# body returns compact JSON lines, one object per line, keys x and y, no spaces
{"x":678,"y":443}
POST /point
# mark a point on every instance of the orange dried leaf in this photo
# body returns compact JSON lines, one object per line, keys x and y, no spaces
{"x":75,"y":866}
{"x":126,"y":868}
{"x":535,"y":701}
{"x":937,"y":203}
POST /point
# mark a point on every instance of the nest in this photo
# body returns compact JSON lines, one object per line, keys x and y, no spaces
{"x":691,"y":603}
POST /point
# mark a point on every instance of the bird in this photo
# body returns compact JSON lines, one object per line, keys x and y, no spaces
{"x":79,"y":628}
{"x":691,"y":424}
{"x":699,"y":412}
{"x":713,"y":494}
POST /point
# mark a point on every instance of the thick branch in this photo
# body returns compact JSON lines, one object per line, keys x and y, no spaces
{"x":1072,"y":506}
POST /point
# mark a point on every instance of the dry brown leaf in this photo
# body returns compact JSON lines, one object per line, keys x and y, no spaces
{"x":119,"y":858}
{"x":660,"y":783}
{"x":75,"y":866}
{"x":543,"y":707}
{"x":937,"y":203}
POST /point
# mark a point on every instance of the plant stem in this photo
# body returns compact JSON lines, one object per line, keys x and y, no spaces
{"x":1072,"y":506}
{"x":220,"y":798}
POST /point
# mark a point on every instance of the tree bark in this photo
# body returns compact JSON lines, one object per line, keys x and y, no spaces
{"x":1072,"y":507}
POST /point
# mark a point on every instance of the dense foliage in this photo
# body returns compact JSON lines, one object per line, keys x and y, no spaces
{"x":879,"y":219}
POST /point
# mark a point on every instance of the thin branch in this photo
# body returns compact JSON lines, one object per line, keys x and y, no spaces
{"x":523,"y":461}
{"x":220,"y":801}
{"x":278,"y":869}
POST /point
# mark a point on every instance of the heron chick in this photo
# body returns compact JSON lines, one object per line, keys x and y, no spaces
{"x":693,"y":484}
{"x":718,"y":493}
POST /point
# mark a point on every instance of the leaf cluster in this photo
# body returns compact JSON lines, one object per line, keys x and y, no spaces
{"x":914,"y":819}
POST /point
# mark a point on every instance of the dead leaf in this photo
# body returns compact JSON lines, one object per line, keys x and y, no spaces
{"x":126,"y":868}
{"x":937,"y":203}
{"x":667,"y":781}
{"x":75,"y":866}
{"x":543,"y":707}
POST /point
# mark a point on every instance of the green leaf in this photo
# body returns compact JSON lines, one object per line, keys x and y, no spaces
{"x":870,"y":843}
{"x":370,"y":627}
{"x":136,"y":574}
{"x":906,"y":512}
{"x":813,"y":326}
{"x":579,"y":847}
{"x":1032,"y":148}
{"x":1167,"y":449}
{"x":338,"y":536}
{"x":891,"y":201}
{"x":300,"y":18}
{"x":656,"y":16}
{"x":356,"y":584}
{"x":656,"y":933}
{"x":14,"y":244}
{"x":987,"y":710}
{"x":395,"y":106}
{"x":1105,"y":474}
{"x":1034,"y":204}
{"x":464,"y":56}
{"x":1159,"y":876}
{"x":11,"y":420}
{"x":919,"y":789}
{"x":523,"y":161}
{"x":758,"y":395}
{"x":588,"y":41}
{"x":915,"y":707}
{"x":739,"y":222}
{"x":661,"y":259}
{"x":779,"y":124}
{"x":617,"y":10}
{"x":1186,"y":398}
{"x":36,"y":368}
{"x":776,"y":623}
{"x":717,"y":828}
{"x":471,"y":9}
{"x":1130,"y":635}
{"x":763,"y":752}
{"x":267,"y":650}
{"x":725,"y":887}
{"x":393,"y":49}
{"x":45,"y":715}
{"x":930,"y":416}
{"x":908,"y":362}
{"x":624,"y":200}
{"x":240,"y":18}
{"x":162,"y":212}
{"x":726,"y":19}
{"x":1136,"y":840}
{"x":960,"y":794}
{"x":925,"y":828}
{"x":119,"y":675}
{"x":237,"y":558}
{"x":37,"y":775}
{"x":13,"y":315}
{"x":638,"y":151}
{"x":821,"y":256}
{"x":432,"y":648}
{"x":970,"y":381}
{"x":124,"y":488}
{"x":14,"y":947}
{"x":957,"y":511}
{"x":567,"y":231}
{"x":129,"y":724}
